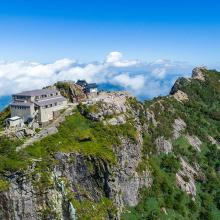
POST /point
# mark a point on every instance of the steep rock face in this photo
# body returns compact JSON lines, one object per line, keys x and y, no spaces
{"x":24,"y":201}
{"x":186,"y":178}
{"x":179,"y":126}
{"x":18,"y":202}
{"x":126,"y":181}
{"x":194,"y":141}
{"x":178,"y":85}
{"x":121,"y":183}
{"x":151,"y":117}
{"x":86,"y":177}
{"x":186,"y":156}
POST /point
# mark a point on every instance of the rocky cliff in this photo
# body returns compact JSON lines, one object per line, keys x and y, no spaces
{"x":118,"y":158}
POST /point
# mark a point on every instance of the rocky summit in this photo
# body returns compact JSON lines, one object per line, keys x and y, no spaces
{"x":114,"y":157}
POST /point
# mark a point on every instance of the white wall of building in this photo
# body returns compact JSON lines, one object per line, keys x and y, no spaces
{"x":16,"y":123}
{"x":46,"y":114}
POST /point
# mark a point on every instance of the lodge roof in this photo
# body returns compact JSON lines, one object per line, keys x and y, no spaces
{"x":37,"y":92}
{"x":50,"y":101}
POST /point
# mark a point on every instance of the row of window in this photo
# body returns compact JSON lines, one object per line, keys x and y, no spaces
{"x":20,"y":107}
{"x":21,"y":97}
{"x":45,"y":96}
{"x":51,"y":105}
{"x":27,"y":107}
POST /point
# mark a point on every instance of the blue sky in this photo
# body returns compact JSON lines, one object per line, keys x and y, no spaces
{"x":139,"y":46}
{"x":88,"y":30}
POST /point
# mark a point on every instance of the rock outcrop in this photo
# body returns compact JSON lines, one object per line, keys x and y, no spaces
{"x":186,"y":178}
{"x":118,"y":120}
{"x":106,"y":105}
{"x":180,"y":96}
{"x":71,"y":91}
{"x":25,"y":201}
{"x":213,"y":141}
{"x":127,"y":182}
{"x":163,"y":145}
{"x":179,"y":127}
{"x":86,"y":177}
{"x":111,"y":149}
{"x":178,"y":85}
{"x":195,"y":142}
{"x":197,"y":73}
{"x":176,"y":90}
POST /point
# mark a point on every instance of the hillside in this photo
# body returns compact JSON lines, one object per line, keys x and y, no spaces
{"x":118,"y":158}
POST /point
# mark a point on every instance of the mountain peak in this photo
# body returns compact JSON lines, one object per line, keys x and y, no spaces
{"x":198,"y":73}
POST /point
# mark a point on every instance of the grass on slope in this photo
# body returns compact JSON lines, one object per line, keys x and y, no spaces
{"x":3,"y":115}
{"x":80,"y":134}
{"x":75,"y":134}
{"x":202,"y":116}
{"x":10,"y":160}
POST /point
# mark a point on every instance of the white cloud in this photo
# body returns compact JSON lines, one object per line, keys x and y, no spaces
{"x":140,"y":78}
{"x":135,"y":83}
{"x":115,"y":59}
{"x":159,"y":72}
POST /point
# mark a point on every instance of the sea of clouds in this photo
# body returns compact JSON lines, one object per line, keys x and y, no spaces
{"x":143,"y":79}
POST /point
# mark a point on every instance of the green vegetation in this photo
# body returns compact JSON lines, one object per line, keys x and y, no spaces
{"x":87,"y":109}
{"x":70,"y":91}
{"x":79,"y":134}
{"x":3,"y":185}
{"x":10,"y":159}
{"x":76,"y":134}
{"x":3,"y":115}
{"x":64,"y":88}
{"x":182,"y":148}
{"x":88,"y":210}
{"x":201,"y":113}
{"x":163,"y":200}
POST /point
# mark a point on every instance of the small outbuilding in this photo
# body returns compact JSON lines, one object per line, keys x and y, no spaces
{"x":15,"y":122}
{"x":91,"y":88}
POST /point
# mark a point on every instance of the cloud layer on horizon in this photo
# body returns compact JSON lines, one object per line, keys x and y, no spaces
{"x":145,"y":80}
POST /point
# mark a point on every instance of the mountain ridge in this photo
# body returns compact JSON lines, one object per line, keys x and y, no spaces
{"x":119,"y":158}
